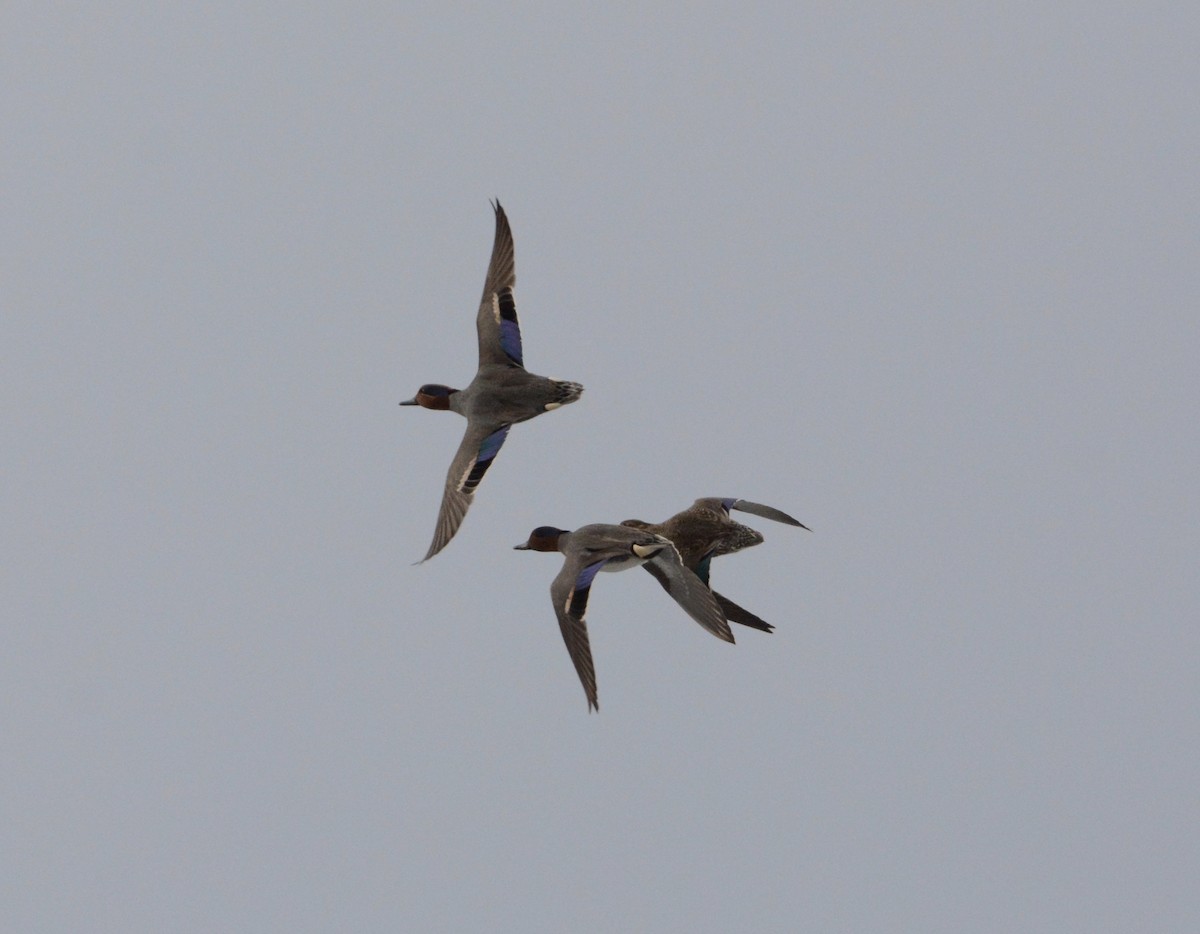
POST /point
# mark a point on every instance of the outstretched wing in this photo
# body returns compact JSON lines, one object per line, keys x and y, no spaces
{"x":757,"y":509}
{"x":733,"y":612}
{"x":475,"y":455}
{"x":569,"y":592}
{"x":497,"y":325}
{"x":737,"y":614}
{"x":688,"y":591}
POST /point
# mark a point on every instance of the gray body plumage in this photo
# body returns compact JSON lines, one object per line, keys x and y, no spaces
{"x":504,"y":395}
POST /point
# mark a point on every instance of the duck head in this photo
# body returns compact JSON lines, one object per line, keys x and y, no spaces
{"x":432,"y":396}
{"x":543,"y":538}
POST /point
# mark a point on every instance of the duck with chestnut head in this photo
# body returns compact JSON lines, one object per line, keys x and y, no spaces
{"x":502,"y":393}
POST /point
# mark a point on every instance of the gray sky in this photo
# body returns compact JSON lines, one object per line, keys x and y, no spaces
{"x":925,"y":279}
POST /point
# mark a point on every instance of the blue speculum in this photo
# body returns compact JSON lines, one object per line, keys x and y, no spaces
{"x":583,"y":584}
{"x":510,"y":330}
{"x":483,"y":460}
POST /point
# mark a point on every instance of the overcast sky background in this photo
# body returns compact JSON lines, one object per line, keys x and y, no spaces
{"x":926,"y":279}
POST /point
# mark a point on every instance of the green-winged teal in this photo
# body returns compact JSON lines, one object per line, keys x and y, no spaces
{"x":501,"y":394}
{"x":705,"y":531}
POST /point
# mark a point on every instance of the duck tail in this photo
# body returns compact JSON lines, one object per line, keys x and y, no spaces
{"x":566,"y":392}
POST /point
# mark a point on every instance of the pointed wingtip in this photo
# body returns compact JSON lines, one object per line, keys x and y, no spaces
{"x":721,"y":630}
{"x":742,"y":616}
{"x":766,"y":512}
{"x":430,"y":553}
